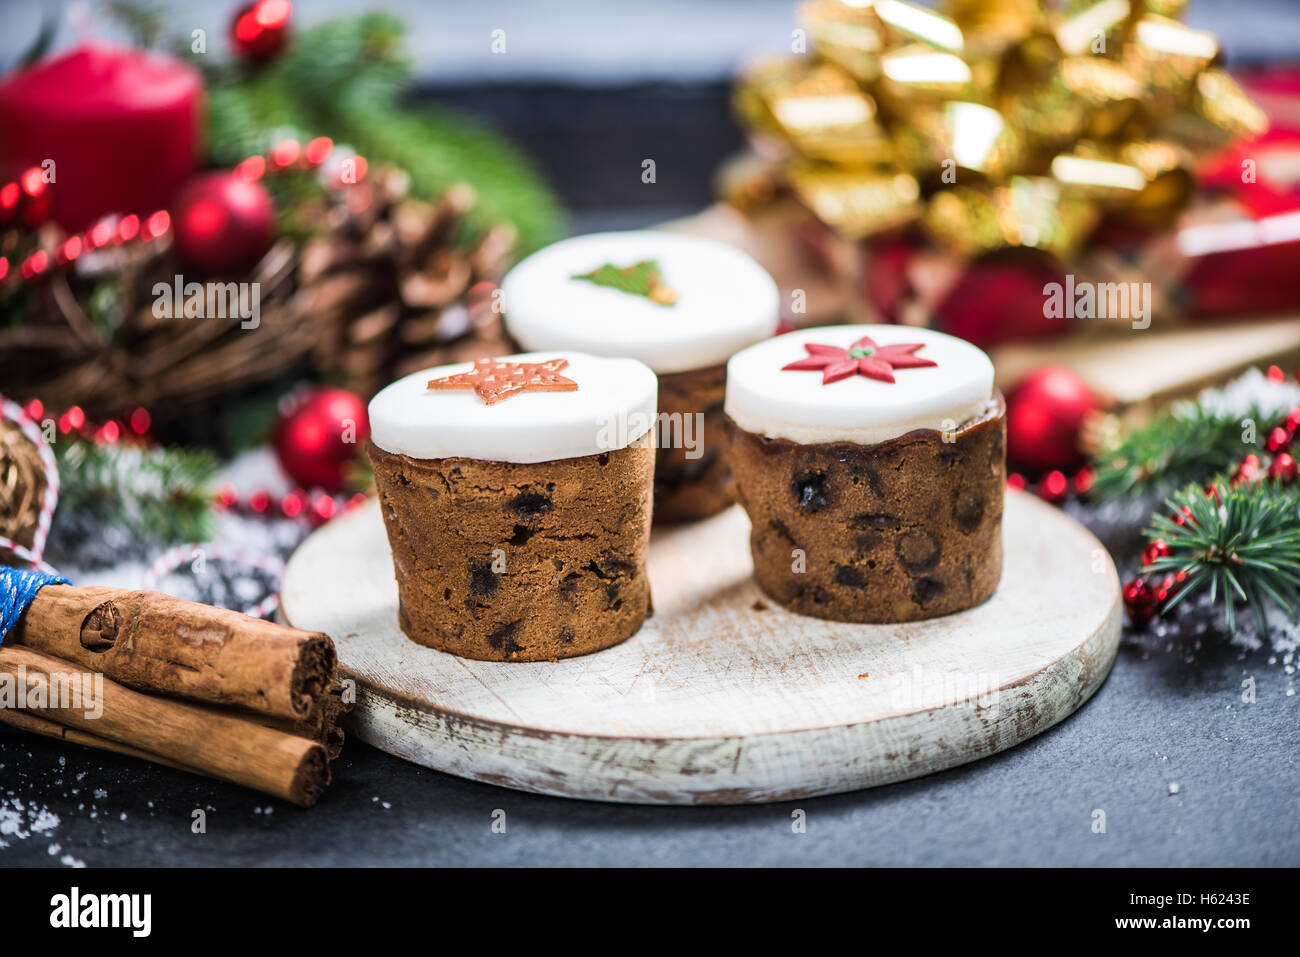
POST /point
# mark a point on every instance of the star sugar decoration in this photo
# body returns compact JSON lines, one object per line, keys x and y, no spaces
{"x":862,"y":357}
{"x":496,"y":379}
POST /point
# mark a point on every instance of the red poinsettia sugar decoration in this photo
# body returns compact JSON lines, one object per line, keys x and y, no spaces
{"x":862,"y":357}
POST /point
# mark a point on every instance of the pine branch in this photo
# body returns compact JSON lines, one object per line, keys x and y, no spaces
{"x":1238,"y":544}
{"x":346,"y":79}
{"x":1187,"y":443}
{"x":153,"y":493}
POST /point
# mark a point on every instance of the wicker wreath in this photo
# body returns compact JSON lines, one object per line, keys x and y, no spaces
{"x":368,"y":293}
{"x":22,"y":485}
{"x":73,"y":349}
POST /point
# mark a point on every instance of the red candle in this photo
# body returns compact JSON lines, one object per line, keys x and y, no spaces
{"x":123,"y":128}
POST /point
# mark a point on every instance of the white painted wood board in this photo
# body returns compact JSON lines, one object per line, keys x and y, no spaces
{"x":723,"y":697}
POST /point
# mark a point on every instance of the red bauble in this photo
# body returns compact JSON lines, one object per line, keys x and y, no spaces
{"x":223,"y":223}
{"x":260,"y":30}
{"x":320,"y":435}
{"x":1000,"y":299}
{"x":1044,"y":415}
{"x":991,"y":300}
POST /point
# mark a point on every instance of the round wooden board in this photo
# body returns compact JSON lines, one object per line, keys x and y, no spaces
{"x":723,"y":697}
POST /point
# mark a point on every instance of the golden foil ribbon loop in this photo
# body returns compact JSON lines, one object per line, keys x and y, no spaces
{"x":1146,"y":182}
{"x":858,"y":202}
{"x":1029,"y":212}
{"x":819,"y":110}
{"x":996,"y":123}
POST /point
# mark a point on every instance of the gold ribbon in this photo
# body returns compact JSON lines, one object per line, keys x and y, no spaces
{"x":995,"y":123}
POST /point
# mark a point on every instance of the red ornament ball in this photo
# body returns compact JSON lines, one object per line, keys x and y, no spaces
{"x":1045,"y":413}
{"x":223,"y":223}
{"x":320,"y":436}
{"x":1000,"y":300}
{"x":260,"y":30}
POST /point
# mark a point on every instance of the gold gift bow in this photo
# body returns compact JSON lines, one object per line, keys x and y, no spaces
{"x":995,"y":123}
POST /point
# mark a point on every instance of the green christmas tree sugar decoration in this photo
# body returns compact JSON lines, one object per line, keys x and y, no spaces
{"x":641,"y":279}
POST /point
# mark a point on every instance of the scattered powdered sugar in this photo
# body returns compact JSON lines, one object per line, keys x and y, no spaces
{"x":46,"y":820}
{"x":20,"y":821}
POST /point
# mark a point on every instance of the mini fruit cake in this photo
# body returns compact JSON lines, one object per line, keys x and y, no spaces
{"x":680,"y":304}
{"x":517,"y":495}
{"x":870,"y":461}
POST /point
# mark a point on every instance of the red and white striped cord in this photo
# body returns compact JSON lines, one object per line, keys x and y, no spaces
{"x":15,"y":413}
{"x":172,"y":559}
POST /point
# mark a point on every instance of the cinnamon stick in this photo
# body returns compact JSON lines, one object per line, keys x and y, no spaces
{"x":321,"y":725}
{"x":234,"y":749}
{"x":158,"y":643}
{"x":28,"y":721}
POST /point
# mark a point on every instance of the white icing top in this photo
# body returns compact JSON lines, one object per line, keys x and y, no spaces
{"x":725,"y":300}
{"x":794,"y":405}
{"x":614,"y":405}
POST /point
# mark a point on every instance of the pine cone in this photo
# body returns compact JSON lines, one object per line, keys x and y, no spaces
{"x":395,"y":287}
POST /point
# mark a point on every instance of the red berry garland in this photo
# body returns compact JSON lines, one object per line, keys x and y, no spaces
{"x":109,"y":232}
{"x":1146,"y":596}
{"x":316,"y":505}
{"x":1157,"y":549}
{"x":1283,"y":469}
{"x":1140,"y":602}
{"x":26,"y":200}
{"x":1248,"y":471}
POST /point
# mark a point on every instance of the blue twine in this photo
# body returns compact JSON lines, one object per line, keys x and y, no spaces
{"x":17,"y":589}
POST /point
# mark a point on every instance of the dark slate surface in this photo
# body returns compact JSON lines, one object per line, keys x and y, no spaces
{"x":1166,"y":716}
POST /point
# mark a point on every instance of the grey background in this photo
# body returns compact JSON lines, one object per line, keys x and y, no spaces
{"x":601,"y":42}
